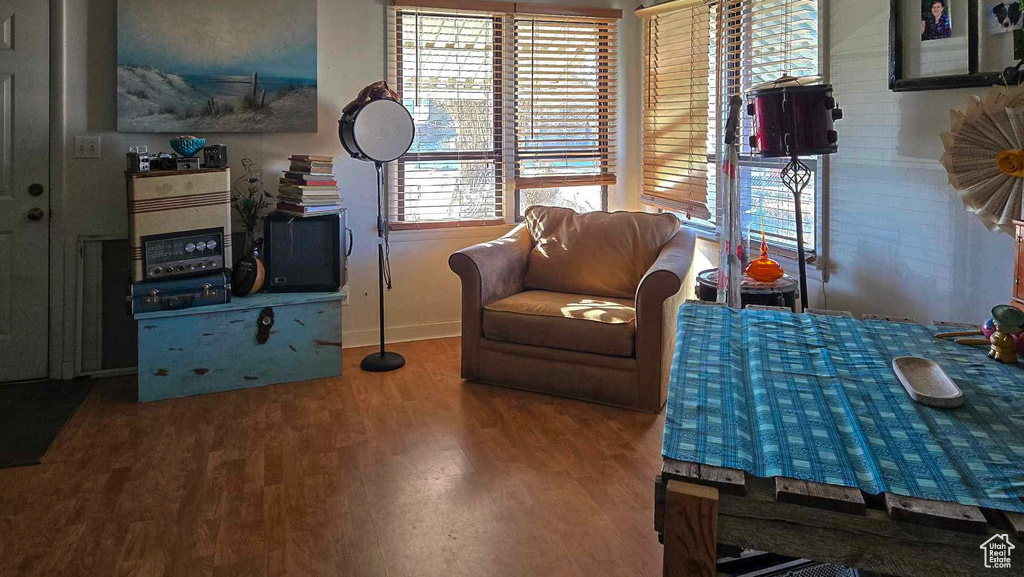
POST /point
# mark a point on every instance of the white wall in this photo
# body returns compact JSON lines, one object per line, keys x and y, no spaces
{"x":425,"y":301}
{"x":902,"y":243}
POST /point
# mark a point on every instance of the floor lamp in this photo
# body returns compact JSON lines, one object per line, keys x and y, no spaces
{"x":377,"y":128}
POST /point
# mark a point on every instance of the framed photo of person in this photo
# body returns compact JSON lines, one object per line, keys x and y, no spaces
{"x":943,"y":44}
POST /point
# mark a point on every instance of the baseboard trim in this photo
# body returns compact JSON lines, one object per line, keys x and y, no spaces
{"x":371,"y":337}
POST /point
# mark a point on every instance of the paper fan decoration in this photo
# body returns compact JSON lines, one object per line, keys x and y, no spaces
{"x":985,"y":156}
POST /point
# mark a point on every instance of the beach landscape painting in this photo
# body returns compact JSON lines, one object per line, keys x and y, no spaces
{"x":224,"y":66}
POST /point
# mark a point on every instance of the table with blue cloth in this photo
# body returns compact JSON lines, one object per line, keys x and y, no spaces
{"x":795,"y":430}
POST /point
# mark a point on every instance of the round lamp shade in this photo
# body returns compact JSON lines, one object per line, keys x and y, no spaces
{"x":379,"y":131}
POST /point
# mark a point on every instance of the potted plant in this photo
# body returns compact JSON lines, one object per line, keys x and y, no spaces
{"x":251,"y":200}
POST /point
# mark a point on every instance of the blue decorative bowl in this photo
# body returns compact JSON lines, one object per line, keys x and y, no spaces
{"x":188,"y":146}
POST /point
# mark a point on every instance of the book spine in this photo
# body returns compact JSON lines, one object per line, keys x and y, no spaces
{"x":312,"y":175}
{"x":317,"y":184}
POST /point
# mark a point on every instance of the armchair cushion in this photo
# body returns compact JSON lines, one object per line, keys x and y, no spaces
{"x":600,"y":325}
{"x":596,"y":253}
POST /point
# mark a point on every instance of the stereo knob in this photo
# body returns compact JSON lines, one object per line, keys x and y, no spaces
{"x":169,"y":270}
{"x":191,"y":267}
{"x":202,"y":265}
{"x":190,"y":247}
{"x":181,"y":268}
{"x":156,"y":271}
{"x":210,"y":245}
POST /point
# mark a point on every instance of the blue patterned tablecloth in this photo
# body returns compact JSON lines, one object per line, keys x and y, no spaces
{"x":815,"y":398}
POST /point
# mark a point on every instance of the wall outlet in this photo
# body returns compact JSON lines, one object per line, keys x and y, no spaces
{"x":87,"y":147}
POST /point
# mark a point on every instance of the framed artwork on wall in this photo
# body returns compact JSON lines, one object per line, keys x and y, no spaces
{"x":944,"y":44}
{"x":231,"y":66}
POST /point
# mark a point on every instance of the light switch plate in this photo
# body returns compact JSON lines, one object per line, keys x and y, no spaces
{"x":87,"y":147}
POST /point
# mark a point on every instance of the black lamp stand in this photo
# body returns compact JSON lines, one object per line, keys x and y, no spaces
{"x":382,"y":361}
{"x":796,"y":176}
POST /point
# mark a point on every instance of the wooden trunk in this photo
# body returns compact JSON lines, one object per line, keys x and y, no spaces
{"x":214,"y":348}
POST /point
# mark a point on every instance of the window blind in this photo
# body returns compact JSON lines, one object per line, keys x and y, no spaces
{"x":565,"y":101}
{"x":505,"y":96}
{"x":448,"y":70}
{"x":676,"y":53}
{"x":761,"y":41}
{"x":750,"y":42}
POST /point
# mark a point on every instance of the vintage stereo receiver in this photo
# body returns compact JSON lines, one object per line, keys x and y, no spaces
{"x":180,"y":223}
{"x":186,"y":253}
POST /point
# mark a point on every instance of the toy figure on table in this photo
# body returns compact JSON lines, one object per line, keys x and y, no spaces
{"x":1008,"y":322}
{"x":1003,"y":334}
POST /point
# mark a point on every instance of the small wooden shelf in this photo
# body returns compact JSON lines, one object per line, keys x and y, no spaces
{"x":1017,"y":291}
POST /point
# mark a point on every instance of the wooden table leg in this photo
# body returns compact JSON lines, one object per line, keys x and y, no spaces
{"x":691,"y":530}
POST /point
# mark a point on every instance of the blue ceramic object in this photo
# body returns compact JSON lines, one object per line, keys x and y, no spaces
{"x":188,"y":146}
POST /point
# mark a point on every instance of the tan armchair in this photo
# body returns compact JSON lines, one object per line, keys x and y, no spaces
{"x":577,"y":305}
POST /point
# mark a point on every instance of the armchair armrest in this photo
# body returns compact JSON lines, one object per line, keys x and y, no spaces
{"x":495,"y":268}
{"x":661,"y":292}
{"x":489,"y":271}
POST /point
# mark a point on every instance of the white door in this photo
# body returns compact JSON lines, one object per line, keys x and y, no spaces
{"x":24,"y":188}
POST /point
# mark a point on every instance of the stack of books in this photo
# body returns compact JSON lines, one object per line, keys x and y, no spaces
{"x":309,"y":188}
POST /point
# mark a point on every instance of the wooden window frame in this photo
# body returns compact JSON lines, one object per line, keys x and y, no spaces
{"x":494,"y":155}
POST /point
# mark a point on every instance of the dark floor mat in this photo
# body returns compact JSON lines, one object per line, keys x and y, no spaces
{"x":33,"y":414}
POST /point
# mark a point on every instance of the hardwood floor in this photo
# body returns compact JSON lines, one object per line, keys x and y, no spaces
{"x":410,"y":473}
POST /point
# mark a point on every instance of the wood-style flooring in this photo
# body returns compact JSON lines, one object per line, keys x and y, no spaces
{"x":412,"y":473}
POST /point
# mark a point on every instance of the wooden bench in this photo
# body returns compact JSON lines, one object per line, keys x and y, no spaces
{"x":698,"y":508}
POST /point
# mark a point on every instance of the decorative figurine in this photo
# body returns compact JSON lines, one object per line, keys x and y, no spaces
{"x":1008,"y":321}
{"x":764,"y":269}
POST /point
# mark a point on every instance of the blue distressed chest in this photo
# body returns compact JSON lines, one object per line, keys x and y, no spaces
{"x":215,"y":348}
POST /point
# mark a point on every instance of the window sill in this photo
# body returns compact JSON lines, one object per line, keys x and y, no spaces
{"x":488,"y":231}
{"x":436,"y":224}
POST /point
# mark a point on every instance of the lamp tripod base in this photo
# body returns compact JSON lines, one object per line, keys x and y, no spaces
{"x":382,"y":362}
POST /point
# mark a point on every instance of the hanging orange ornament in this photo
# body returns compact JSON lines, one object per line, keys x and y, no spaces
{"x":764,"y":269}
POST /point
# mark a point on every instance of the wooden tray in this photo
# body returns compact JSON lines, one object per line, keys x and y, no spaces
{"x":927,"y":383}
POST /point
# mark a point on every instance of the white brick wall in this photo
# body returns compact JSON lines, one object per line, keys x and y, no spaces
{"x":902,"y":243}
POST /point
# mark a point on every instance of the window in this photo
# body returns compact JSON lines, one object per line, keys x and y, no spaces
{"x":448,"y":73}
{"x":509,"y":107}
{"x":761,"y":41}
{"x":564,"y":112}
